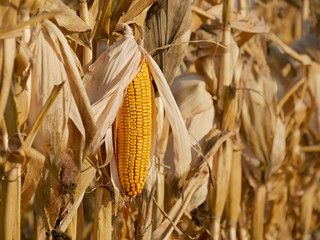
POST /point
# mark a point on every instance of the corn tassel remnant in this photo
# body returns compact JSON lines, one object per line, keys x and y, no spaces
{"x":134,"y":134}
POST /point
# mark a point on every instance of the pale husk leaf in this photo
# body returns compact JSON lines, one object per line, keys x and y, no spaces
{"x":191,"y":95}
{"x":82,"y":110}
{"x":32,"y":178}
{"x":181,"y":143}
{"x":71,"y":24}
{"x":53,"y":134}
{"x":195,"y":105}
{"x":111,"y":74}
{"x":116,"y":76}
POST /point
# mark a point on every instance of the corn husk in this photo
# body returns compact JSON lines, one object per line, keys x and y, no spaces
{"x":63,"y":155}
{"x":190,"y":93}
{"x":111,"y":74}
{"x":71,"y":25}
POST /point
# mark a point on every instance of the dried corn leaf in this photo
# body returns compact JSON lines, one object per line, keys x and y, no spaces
{"x":263,"y":130}
{"x":107,"y":14}
{"x":32,"y":178}
{"x":195,"y":104}
{"x":48,"y":71}
{"x":308,"y":45}
{"x":168,"y":22}
{"x":191,"y":95}
{"x":70,"y":23}
{"x":55,"y":64}
{"x":137,"y":7}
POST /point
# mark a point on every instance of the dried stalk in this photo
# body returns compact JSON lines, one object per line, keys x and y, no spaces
{"x":164,"y":127}
{"x":87,"y":52}
{"x":257,"y":228}
{"x":72,"y":228}
{"x":304,"y":18}
{"x":234,"y":195}
{"x":225,"y":76}
{"x":102,"y":228}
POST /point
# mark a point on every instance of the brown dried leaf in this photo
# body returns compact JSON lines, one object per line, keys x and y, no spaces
{"x":168,"y":22}
{"x":32,"y":178}
{"x":47,"y":72}
{"x":136,"y":8}
{"x":108,"y":13}
{"x":308,"y":45}
{"x":69,"y":22}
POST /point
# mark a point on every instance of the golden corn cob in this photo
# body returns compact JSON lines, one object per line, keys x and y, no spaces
{"x":134,"y":134}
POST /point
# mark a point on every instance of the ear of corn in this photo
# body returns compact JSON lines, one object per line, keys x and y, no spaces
{"x":134,"y":134}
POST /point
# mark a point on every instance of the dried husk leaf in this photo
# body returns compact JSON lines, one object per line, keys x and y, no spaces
{"x":195,"y":104}
{"x":53,"y":134}
{"x":175,"y":213}
{"x":70,"y":23}
{"x":137,"y":8}
{"x":83,"y":111}
{"x":32,"y":178}
{"x":198,"y":179}
{"x":168,"y":22}
{"x":103,"y":214}
{"x":221,"y":176}
{"x":249,"y":23}
{"x":60,"y":177}
{"x":308,"y":45}
{"x":191,"y":95}
{"x":111,"y":74}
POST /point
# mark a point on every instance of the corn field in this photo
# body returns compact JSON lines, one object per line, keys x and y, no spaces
{"x":159,"y":119}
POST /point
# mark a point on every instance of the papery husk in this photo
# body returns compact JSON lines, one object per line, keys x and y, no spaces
{"x":52,"y":49}
{"x":103,"y":214}
{"x":71,"y":24}
{"x":53,"y":135}
{"x":168,"y":22}
{"x":195,"y":104}
{"x":32,"y":178}
{"x":111,"y":74}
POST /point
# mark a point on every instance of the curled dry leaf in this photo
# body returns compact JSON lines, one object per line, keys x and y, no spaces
{"x":195,"y":104}
{"x":168,"y":22}
{"x":111,"y":74}
{"x":105,"y":14}
{"x":54,"y":64}
{"x":264,"y":131}
{"x":69,"y":22}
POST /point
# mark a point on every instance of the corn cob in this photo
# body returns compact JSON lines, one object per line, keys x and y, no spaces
{"x":134,"y":134}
